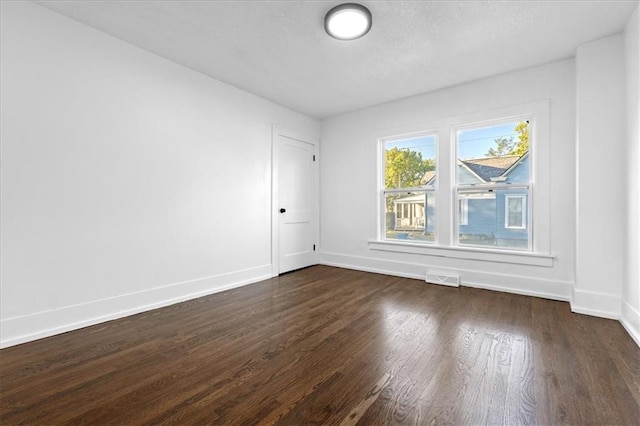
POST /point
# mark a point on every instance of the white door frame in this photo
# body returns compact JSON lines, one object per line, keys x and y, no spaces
{"x":276,"y":133}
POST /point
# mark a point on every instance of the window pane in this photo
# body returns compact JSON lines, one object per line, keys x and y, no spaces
{"x":494,"y":154}
{"x":410,"y":162}
{"x":410,"y":216}
{"x":515,"y":212}
{"x":495,"y":218}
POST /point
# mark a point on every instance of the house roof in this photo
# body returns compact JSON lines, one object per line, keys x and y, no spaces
{"x":428,"y":178}
{"x":491,"y":167}
{"x":484,"y":168}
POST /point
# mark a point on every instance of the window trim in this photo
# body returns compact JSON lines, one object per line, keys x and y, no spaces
{"x":465,"y":253}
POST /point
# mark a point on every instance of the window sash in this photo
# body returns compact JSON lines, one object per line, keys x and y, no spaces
{"x":490,"y":187}
{"x":484,"y":235}
{"x":408,"y":190}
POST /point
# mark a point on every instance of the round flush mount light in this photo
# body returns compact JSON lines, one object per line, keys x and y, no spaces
{"x":347,"y":21}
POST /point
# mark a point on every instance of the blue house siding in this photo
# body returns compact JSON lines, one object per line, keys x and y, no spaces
{"x":486,"y":221}
{"x":481,"y":218}
{"x":520,"y":172}
{"x":465,"y":177}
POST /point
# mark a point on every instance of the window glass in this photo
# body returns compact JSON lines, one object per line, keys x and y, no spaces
{"x":487,"y":154}
{"x":409,"y":184}
{"x":410,"y":163}
{"x":515,"y":212}
{"x":492,"y":171}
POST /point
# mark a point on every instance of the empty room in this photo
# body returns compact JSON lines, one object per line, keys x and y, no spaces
{"x":319,"y":212}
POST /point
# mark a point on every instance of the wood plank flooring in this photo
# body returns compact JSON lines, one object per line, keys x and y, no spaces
{"x":332,"y":346}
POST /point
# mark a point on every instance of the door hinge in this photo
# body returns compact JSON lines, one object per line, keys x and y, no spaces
{"x":314,"y":157}
{"x":314,"y":247}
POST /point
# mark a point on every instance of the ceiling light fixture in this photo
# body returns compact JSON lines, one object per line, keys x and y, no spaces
{"x":347,"y":21}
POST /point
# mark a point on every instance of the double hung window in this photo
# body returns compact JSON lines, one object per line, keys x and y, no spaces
{"x":466,"y":186}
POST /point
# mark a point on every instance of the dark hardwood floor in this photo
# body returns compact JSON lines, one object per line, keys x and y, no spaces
{"x":332,"y":346}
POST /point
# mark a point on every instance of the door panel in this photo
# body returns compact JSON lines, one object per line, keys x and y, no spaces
{"x":296,"y":196}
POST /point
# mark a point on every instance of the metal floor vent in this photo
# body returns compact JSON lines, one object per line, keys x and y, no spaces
{"x":443,"y":278}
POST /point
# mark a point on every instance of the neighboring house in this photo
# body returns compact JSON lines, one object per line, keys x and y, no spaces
{"x":484,"y":217}
{"x":409,"y":212}
{"x":494,"y":217}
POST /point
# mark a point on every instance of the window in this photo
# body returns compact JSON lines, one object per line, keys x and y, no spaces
{"x":482,"y":181}
{"x":492,"y":178}
{"x":409,"y":188}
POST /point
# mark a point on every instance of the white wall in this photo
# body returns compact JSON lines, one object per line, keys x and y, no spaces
{"x":601,"y":177}
{"x":631,"y":282}
{"x":349,"y":194}
{"x":128,"y":181}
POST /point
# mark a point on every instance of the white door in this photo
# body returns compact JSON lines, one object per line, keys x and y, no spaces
{"x":295,"y":206}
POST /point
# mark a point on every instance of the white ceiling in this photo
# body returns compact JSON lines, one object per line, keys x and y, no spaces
{"x":279,"y":50}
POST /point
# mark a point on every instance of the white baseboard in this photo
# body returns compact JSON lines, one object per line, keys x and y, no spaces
{"x":409,"y":270}
{"x":16,"y":330}
{"x":630,"y":320}
{"x":596,"y":304}
{"x":529,"y":286}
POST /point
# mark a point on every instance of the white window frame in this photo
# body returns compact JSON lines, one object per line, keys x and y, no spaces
{"x":507,"y":212}
{"x":446,"y":196}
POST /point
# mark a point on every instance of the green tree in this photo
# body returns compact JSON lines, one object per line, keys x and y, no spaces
{"x":508,"y":146}
{"x":405,"y":168}
{"x":504,"y":146}
{"x":523,"y":138}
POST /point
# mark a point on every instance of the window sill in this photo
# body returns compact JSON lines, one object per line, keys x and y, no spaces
{"x":466,"y":253}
